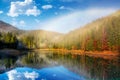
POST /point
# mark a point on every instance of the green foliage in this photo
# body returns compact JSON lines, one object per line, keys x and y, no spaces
{"x":39,"y":39}
{"x":102,"y":34}
{"x":8,"y":40}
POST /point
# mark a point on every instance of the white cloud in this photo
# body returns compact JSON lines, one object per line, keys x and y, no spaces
{"x":14,"y":22}
{"x":23,"y":8}
{"x":22,"y":23}
{"x":13,"y":75}
{"x":64,"y":0}
{"x":56,"y":13}
{"x":32,"y":75}
{"x":36,"y":20}
{"x":71,"y":21}
{"x":66,"y":8}
{"x":62,"y":7}
{"x":1,"y":12}
{"x":47,"y":6}
{"x":33,"y":11}
{"x":71,"y":0}
{"x":48,"y":0}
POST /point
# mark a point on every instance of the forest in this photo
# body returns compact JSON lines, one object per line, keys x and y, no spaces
{"x":8,"y":40}
{"x":102,"y":34}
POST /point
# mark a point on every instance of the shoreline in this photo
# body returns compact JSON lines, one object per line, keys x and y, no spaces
{"x":98,"y":54}
{"x":101,"y":54}
{"x":106,"y":52}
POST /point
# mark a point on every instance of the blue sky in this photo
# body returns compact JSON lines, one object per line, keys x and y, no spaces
{"x":55,"y":15}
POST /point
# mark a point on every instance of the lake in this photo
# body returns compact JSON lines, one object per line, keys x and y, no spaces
{"x":51,"y":65}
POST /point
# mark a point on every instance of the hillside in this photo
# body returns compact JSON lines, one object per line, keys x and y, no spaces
{"x":102,"y":34}
{"x":5,"y":27}
{"x":29,"y":39}
{"x":39,"y":38}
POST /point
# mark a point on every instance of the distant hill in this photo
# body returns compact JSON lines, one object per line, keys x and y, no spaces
{"x":39,"y":38}
{"x":30,"y":38}
{"x":5,"y":27}
{"x":102,"y":34}
{"x":42,"y":34}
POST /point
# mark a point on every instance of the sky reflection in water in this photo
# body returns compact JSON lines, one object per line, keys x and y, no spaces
{"x":53,"y":73}
{"x":41,"y":65}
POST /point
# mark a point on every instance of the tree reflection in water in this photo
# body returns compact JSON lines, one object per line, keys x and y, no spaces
{"x":90,"y":67}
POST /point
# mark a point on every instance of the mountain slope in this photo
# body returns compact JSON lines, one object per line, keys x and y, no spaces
{"x":30,"y":39}
{"x":102,"y":34}
{"x":5,"y":27}
{"x":39,"y":38}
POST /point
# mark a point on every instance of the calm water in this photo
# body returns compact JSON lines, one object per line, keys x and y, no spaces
{"x":48,"y":65}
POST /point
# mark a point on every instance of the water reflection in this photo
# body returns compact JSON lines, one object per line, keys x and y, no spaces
{"x":7,"y":64}
{"x":53,"y":73}
{"x":89,"y":67}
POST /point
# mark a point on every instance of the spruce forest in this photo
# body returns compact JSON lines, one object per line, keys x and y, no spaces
{"x":102,"y":34}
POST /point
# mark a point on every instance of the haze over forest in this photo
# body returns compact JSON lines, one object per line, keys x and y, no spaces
{"x":101,"y":34}
{"x":60,"y":39}
{"x":33,"y":24}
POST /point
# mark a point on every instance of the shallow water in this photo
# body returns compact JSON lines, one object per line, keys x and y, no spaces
{"x":48,"y":65}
